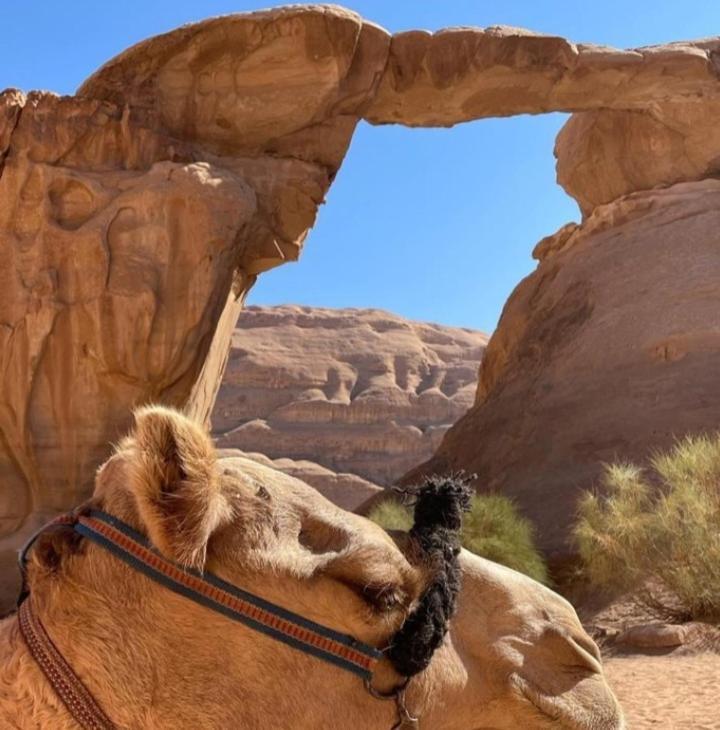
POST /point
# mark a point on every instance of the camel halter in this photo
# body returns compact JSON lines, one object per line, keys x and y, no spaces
{"x":205,"y":589}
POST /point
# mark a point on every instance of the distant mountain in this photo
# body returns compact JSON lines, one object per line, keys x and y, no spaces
{"x":357,"y":391}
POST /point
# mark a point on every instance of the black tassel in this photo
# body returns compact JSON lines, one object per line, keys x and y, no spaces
{"x":439,"y":506}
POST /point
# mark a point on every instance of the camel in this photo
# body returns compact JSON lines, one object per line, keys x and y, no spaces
{"x":516,"y":655}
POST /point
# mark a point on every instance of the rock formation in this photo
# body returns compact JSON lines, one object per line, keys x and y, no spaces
{"x":460,"y":74}
{"x":608,"y":351}
{"x":135,"y":216}
{"x":129,"y":239}
{"x":106,"y":298}
{"x":358,"y":391}
{"x":605,"y":155}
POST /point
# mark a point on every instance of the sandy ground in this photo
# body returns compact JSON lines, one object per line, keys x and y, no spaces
{"x":669,"y":692}
{"x":672,"y":689}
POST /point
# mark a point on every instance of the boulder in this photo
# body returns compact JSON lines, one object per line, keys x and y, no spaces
{"x":604,"y":155}
{"x":654,"y":636}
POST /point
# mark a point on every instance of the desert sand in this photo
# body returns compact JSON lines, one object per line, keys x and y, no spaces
{"x":669,"y":692}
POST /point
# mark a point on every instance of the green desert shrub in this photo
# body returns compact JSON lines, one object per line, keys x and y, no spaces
{"x":492,"y":528}
{"x":658,"y":531}
{"x":392,"y":516}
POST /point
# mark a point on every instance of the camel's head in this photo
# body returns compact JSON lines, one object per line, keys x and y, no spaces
{"x":516,"y":655}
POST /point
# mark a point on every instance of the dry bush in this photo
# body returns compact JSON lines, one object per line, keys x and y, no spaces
{"x":492,"y":528}
{"x":668,"y":538}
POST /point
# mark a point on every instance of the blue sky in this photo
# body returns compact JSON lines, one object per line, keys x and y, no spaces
{"x":432,"y":224}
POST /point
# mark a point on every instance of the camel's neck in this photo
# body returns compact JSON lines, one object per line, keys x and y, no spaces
{"x":140,"y":654}
{"x":140,"y":678}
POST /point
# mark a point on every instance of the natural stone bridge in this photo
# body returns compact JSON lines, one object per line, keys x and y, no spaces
{"x":136,"y":215}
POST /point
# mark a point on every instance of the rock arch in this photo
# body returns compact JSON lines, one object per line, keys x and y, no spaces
{"x":137,"y":214}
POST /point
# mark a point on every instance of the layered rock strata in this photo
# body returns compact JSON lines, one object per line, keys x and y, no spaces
{"x":346,"y":490}
{"x":358,"y":391}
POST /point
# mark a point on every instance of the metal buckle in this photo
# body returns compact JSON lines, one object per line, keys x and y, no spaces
{"x":405,"y":720}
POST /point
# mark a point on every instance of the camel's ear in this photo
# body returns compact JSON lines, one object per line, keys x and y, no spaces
{"x":174,"y":481}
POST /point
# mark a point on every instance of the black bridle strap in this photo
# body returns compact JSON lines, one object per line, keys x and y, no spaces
{"x":207,"y":589}
{"x":64,"y":520}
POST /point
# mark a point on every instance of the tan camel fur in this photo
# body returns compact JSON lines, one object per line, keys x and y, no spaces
{"x":516,"y":656}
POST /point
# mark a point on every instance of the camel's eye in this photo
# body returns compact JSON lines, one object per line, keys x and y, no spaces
{"x":383,"y":597}
{"x":375,"y":575}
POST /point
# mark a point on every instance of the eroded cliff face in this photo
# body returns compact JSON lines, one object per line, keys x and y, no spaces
{"x":609,"y":351}
{"x":355,"y":390}
{"x":135,"y":215}
{"x":106,"y":298}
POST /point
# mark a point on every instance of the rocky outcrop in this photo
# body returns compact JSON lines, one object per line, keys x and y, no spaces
{"x":609,"y":351}
{"x":602,"y":156}
{"x":106,"y":298}
{"x":290,"y":82}
{"x":11,"y":102}
{"x":358,"y":391}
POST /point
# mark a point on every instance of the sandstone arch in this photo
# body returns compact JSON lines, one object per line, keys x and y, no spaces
{"x":214,"y":144}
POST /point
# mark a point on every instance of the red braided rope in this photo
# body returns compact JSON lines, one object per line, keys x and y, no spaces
{"x":68,"y":686}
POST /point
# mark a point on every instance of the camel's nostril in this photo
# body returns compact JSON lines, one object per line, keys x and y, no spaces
{"x":573,"y":648}
{"x":586,"y":644}
{"x":588,"y":656}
